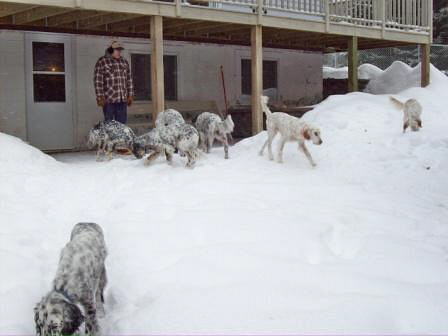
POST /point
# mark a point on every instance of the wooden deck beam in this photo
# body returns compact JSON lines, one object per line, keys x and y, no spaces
{"x":157,"y":73}
{"x":256,"y":40}
{"x":425,"y":57}
{"x":353,"y":64}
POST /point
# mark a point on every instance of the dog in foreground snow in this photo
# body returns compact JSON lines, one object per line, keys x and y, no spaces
{"x":290,"y":129}
{"x":77,"y":293}
{"x":210,"y":127}
{"x":412,"y":111}
{"x":165,"y":140}
{"x":109,"y":135}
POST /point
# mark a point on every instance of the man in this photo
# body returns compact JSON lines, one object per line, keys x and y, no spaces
{"x":113,"y":84}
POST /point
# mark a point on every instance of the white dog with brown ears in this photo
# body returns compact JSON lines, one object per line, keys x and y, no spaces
{"x":412,"y":113}
{"x":290,"y":129}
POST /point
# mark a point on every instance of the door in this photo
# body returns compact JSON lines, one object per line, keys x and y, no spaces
{"x":49,"y":98}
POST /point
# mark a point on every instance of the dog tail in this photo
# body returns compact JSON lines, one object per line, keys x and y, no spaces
{"x":398,"y":104}
{"x":264,"y":105}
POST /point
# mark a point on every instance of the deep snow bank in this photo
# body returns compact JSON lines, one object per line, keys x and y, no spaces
{"x":13,"y":151}
{"x":398,"y":77}
{"x":248,"y":246}
{"x":365,"y":71}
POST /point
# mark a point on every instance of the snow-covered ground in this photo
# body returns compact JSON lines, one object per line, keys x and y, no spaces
{"x":357,"y":245}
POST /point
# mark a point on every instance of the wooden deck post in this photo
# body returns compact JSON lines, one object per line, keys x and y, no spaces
{"x":353,"y":64}
{"x":425,"y":59}
{"x":257,"y":77}
{"x":157,"y":75}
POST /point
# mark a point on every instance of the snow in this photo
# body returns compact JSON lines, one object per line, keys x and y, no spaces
{"x":365,"y":71}
{"x":398,"y":77}
{"x":357,"y":245}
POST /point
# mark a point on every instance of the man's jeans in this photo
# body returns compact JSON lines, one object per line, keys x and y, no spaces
{"x":116,"y":111}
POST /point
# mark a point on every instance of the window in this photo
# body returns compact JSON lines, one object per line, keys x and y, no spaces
{"x":269,"y":75}
{"x":48,"y":72}
{"x":141,"y":76}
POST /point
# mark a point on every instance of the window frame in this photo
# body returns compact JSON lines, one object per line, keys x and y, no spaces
{"x":244,"y":58}
{"x":175,"y":73}
{"x":48,"y":73}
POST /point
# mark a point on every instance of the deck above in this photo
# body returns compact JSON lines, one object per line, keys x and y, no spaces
{"x":321,"y":25}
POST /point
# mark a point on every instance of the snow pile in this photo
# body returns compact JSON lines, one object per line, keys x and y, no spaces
{"x":365,"y":71}
{"x":398,"y":77}
{"x":368,"y":71}
{"x":357,"y":245}
{"x":14,"y":150}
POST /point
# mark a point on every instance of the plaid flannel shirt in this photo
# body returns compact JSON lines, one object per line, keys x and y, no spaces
{"x":112,"y":79}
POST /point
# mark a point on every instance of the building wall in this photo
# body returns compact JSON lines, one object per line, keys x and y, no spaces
{"x":12,"y":84}
{"x":299,"y":75}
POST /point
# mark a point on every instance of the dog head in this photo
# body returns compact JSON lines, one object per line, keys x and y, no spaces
{"x":313,"y":134}
{"x":226,"y":126}
{"x":93,"y":137}
{"x":138,"y":149}
{"x":55,"y":315}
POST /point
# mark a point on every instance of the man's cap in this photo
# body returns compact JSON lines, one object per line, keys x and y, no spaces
{"x":116,"y":45}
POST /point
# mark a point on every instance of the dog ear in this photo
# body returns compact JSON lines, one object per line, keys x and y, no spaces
{"x":306,"y":134}
{"x":73,"y":319}
{"x":419,"y":122}
{"x":36,"y":320}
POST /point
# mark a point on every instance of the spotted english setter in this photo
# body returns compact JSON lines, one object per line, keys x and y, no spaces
{"x":109,"y":135}
{"x":169,"y":117}
{"x":210,"y":127}
{"x":77,"y":292}
{"x":165,"y":140}
{"x":290,"y":129}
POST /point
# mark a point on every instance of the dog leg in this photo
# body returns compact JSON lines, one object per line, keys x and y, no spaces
{"x":100,"y":293}
{"x":191,"y":159}
{"x":270,"y":139}
{"x":307,"y":154}
{"x":405,"y":126}
{"x":223,"y":140}
{"x":92,"y":326}
{"x":169,"y":155}
{"x":151,"y":158}
{"x":202,"y":141}
{"x":262,"y":148}
{"x":211,"y":138}
{"x":98,"y":154}
{"x":280,"y":150}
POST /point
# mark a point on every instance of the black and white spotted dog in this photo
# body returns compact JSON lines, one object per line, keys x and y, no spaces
{"x":109,"y":135}
{"x":77,"y":293}
{"x":210,"y":127}
{"x":169,"y":117}
{"x":165,"y":140}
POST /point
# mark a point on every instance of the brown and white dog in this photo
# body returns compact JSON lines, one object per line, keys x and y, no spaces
{"x":290,"y":129}
{"x":412,"y":111}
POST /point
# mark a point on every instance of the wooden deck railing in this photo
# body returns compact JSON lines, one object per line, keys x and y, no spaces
{"x":404,"y":15}
{"x":395,"y":14}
